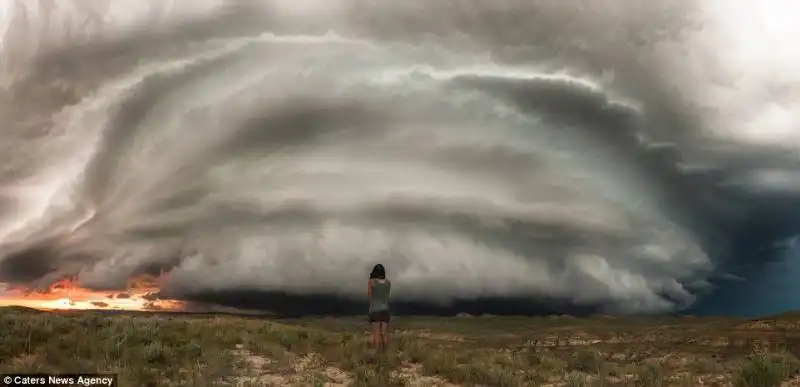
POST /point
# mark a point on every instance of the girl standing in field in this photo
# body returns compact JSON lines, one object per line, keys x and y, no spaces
{"x":379,"y":290}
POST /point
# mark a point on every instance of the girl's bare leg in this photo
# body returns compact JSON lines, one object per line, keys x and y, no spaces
{"x":385,"y":335}
{"x":376,"y":335}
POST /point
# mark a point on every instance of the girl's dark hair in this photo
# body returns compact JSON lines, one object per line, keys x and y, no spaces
{"x":378,"y":272}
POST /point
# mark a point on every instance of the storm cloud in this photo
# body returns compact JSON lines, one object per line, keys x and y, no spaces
{"x":548,"y":152}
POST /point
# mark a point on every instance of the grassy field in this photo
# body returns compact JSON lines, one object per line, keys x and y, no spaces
{"x":205,"y":350}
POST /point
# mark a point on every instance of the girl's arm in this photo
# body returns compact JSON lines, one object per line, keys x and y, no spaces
{"x":369,"y":288}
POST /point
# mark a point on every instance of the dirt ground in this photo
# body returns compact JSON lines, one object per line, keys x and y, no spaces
{"x":217,"y":350}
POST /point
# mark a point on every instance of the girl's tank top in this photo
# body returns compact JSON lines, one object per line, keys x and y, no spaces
{"x":379,"y":301}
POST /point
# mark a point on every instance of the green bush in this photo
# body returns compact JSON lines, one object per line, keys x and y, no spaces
{"x":766,"y":370}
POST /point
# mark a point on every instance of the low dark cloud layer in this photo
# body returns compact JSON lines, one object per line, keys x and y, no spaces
{"x":512,"y":156}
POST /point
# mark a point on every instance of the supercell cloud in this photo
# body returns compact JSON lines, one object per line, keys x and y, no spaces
{"x":611,"y":154}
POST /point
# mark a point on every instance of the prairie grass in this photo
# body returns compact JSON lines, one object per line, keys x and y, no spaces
{"x":218,"y":350}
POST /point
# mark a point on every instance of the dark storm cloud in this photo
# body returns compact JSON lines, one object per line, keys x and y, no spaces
{"x":482,"y":151}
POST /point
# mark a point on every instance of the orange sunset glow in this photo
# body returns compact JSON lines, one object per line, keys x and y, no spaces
{"x":140,"y":295}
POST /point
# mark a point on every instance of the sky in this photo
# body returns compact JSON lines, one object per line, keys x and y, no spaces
{"x":626,"y":157}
